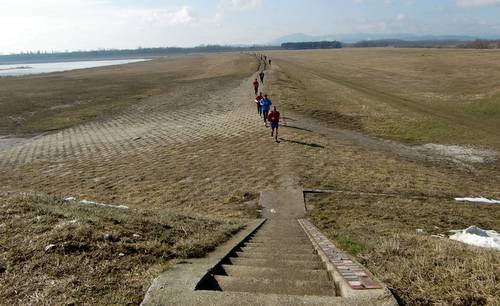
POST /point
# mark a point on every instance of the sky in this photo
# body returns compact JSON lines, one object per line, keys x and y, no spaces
{"x":60,"y":25}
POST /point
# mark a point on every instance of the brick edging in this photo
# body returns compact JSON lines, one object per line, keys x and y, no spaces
{"x":352,"y":272}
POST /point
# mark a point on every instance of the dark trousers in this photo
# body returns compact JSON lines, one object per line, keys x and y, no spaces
{"x":265,"y":113}
{"x":259,"y":110}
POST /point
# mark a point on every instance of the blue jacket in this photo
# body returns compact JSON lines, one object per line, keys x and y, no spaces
{"x":266,"y":104}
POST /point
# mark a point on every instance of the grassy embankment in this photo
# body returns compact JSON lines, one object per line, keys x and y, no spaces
{"x":420,"y":269}
{"x":105,"y":255}
{"x":414,"y":95}
{"x":53,"y":251}
{"x":48,"y":102}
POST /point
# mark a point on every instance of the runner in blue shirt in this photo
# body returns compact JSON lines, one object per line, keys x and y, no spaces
{"x":265,"y":105}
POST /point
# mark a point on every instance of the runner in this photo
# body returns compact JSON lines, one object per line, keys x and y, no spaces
{"x":257,"y":101}
{"x":256,"y":86}
{"x":261,"y":75}
{"x":274,"y":119}
{"x":265,"y":105}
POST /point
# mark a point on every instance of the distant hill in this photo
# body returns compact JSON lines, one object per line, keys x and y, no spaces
{"x":357,"y":37}
{"x":398,"y":43}
{"x":311,"y":45}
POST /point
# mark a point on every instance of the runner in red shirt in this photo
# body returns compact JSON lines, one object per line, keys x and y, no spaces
{"x":256,"y":86}
{"x":257,"y":101}
{"x":274,"y":118}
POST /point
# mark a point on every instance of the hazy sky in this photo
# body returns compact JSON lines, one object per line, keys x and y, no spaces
{"x":91,"y":24}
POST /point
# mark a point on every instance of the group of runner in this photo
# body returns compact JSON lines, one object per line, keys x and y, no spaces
{"x":264,"y":104}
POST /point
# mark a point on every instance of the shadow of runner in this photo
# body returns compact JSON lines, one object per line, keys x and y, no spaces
{"x":297,"y":128}
{"x":313,"y":145}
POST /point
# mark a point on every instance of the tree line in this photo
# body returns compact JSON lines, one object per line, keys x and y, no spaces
{"x":123,"y":53}
{"x":481,"y":44}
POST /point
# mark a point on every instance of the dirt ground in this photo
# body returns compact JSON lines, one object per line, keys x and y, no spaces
{"x":193,"y":144}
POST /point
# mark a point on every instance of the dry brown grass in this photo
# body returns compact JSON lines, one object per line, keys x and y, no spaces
{"x":420,"y":269}
{"x":100,"y":255}
{"x":144,"y":156}
{"x":41,"y":103}
{"x":416,"y":95}
{"x":393,"y":94}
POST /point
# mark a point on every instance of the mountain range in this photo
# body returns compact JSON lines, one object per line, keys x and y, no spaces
{"x":356,"y":37}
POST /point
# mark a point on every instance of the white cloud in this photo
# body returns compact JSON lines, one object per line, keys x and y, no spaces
{"x":181,"y":16}
{"x":90,"y":24}
{"x":476,"y":3}
{"x":246,"y":4}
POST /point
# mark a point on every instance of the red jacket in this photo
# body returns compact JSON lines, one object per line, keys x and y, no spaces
{"x":255,"y":83}
{"x":273,"y":117}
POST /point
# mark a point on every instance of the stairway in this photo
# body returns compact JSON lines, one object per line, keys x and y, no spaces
{"x":277,"y":259}
{"x":272,"y":263}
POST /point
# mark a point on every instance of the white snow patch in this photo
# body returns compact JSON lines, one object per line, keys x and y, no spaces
{"x":478,"y":200}
{"x":66,"y":223}
{"x":461,"y":153}
{"x":478,"y":237}
{"x":49,"y":247}
{"x":86,"y":202}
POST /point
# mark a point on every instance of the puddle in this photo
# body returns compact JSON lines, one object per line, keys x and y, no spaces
{"x":464,"y":154}
{"x":7,"y":142}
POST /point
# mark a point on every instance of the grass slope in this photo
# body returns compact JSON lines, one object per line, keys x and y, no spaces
{"x":415,"y":95}
{"x":100,"y":255}
{"x":420,"y":269}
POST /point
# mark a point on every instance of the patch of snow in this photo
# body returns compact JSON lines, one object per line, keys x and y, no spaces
{"x":273,"y":211}
{"x":478,"y":200}
{"x":478,"y":237}
{"x":87,"y":202}
{"x":420,"y":231}
{"x":66,"y":223}
{"x":49,"y":247}
{"x":461,"y":153}
{"x":438,"y":236}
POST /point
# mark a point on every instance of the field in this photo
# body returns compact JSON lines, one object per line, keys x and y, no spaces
{"x":179,"y":142}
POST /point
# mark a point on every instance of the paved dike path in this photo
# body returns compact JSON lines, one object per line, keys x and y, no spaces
{"x":280,"y":260}
{"x":275,"y":261}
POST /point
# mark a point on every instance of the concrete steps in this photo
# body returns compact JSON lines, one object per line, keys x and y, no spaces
{"x":278,"y":250}
{"x":288,"y":256}
{"x":272,"y":273}
{"x":270,"y":263}
{"x":277,"y":259}
{"x":275,"y":286}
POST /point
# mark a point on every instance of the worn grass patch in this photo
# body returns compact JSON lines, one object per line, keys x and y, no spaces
{"x":420,"y":269}
{"x":69,"y":253}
